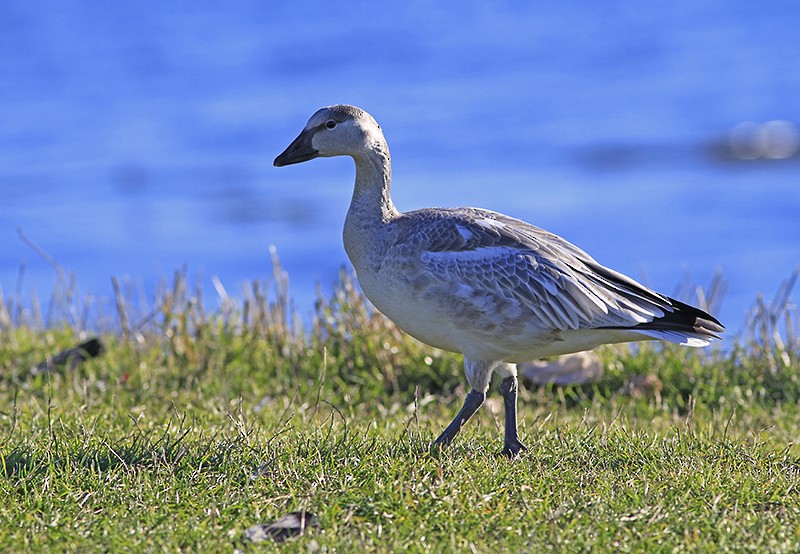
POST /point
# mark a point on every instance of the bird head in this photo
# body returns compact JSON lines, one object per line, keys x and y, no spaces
{"x":339,"y":130}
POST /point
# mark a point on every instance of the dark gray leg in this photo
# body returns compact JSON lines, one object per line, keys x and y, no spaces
{"x":473,"y":401}
{"x":512,"y":445}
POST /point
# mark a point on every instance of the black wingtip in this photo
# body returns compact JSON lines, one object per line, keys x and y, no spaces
{"x":686,"y":319}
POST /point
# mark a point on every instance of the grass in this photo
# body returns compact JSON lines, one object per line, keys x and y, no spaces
{"x":195,"y":426}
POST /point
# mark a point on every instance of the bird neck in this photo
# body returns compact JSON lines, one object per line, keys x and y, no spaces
{"x":371,"y":209}
{"x":372,"y":204}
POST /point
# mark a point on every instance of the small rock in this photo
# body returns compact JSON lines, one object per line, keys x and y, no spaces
{"x":290,"y":525}
{"x":71,"y":357}
{"x":643,"y":386}
{"x":569,"y":369}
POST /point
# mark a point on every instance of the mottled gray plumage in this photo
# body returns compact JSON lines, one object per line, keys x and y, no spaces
{"x":540,"y":273}
{"x":492,"y":287}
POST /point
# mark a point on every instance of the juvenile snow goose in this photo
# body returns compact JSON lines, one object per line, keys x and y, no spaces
{"x":494,"y":288}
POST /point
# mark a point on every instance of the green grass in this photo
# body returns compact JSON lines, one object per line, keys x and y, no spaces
{"x":193,"y":427}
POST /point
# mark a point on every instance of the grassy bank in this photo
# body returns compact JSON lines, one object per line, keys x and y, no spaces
{"x":192,"y":427}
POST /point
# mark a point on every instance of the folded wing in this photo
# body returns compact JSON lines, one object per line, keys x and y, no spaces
{"x":502,"y":263}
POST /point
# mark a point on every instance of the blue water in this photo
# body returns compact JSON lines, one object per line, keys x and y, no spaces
{"x":139,"y":137}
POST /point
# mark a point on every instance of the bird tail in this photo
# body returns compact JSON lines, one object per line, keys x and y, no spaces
{"x":684,"y":325}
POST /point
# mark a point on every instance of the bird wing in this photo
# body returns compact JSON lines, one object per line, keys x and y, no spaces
{"x":495,"y":262}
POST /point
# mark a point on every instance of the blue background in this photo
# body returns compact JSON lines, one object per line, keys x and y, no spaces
{"x":138,"y":137}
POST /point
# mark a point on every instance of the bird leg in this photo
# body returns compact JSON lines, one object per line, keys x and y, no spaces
{"x":512,"y":445}
{"x":473,"y":401}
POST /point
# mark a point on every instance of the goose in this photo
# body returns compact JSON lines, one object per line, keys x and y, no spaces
{"x":494,"y":288}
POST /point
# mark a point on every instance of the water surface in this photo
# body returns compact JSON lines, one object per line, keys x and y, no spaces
{"x":137,"y":138}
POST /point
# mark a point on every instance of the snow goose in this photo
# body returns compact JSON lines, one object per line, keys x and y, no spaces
{"x":494,"y":288}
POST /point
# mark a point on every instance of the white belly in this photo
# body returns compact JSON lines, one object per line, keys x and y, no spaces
{"x":420,"y":319}
{"x":478,"y":337}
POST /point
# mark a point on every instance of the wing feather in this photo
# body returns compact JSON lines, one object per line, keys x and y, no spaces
{"x":508,"y":260}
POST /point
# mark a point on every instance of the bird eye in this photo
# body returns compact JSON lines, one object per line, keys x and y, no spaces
{"x":330,"y":124}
